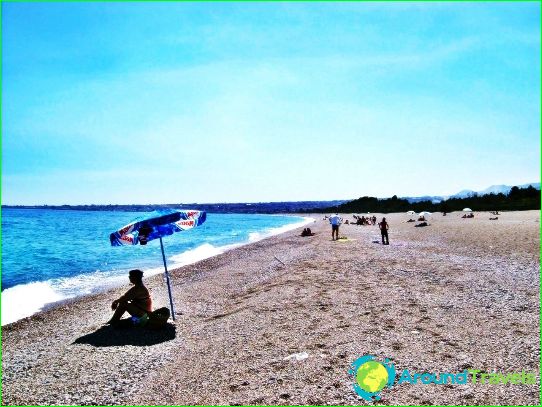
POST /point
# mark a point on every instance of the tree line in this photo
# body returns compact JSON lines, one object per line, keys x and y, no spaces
{"x":518,"y":199}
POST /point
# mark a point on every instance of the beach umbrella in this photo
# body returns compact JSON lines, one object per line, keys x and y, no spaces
{"x":425,"y":213}
{"x":467,"y":210}
{"x":411,"y":213}
{"x":155,"y":225}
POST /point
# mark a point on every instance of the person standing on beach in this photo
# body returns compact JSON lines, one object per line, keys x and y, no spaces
{"x":335,"y":221}
{"x":384,"y":230}
{"x":137,"y":300}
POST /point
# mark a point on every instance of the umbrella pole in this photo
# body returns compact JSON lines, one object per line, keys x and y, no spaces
{"x":167,"y":280}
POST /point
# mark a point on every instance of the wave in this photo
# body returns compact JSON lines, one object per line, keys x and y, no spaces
{"x":202,"y":252}
{"x":24,"y":300}
{"x":257,"y":236}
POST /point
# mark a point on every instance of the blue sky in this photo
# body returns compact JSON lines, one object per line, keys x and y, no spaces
{"x":243,"y":102}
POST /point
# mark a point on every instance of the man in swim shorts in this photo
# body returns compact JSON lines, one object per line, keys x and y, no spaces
{"x":137,"y":300}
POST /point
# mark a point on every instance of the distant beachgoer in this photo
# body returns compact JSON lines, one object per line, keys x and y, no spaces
{"x":419,"y":225}
{"x":307,"y":232}
{"x":137,"y":300}
{"x":384,"y":231}
{"x":335,"y":221}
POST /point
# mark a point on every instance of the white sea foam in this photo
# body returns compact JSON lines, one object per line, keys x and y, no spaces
{"x":202,"y":252}
{"x":25,"y":300}
{"x":256,"y":236}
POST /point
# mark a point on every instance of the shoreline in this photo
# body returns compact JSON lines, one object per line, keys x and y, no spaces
{"x":432,"y":300}
{"x":187,"y":257}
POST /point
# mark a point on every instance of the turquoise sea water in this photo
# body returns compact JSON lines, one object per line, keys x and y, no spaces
{"x":51,"y":255}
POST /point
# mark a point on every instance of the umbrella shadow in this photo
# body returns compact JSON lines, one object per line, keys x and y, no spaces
{"x":122,"y":336}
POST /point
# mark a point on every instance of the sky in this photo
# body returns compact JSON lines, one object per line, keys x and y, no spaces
{"x":136,"y":103}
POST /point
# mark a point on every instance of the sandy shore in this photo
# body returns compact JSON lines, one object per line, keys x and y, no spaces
{"x":459,"y":294}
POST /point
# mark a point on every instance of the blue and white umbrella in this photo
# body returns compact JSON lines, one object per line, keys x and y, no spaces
{"x":155,"y":225}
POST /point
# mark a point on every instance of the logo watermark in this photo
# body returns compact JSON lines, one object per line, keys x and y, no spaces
{"x":372,"y":376}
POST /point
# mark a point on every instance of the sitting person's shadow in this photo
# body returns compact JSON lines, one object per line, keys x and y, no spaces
{"x":126,"y":334}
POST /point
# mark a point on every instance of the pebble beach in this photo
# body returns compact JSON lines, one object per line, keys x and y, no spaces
{"x":280,"y":321}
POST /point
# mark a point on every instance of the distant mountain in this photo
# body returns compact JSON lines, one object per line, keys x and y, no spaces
{"x":496,"y":189}
{"x":493,"y":189}
{"x":466,"y":193}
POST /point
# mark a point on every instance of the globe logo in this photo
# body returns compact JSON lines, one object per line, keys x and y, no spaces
{"x":371,"y":377}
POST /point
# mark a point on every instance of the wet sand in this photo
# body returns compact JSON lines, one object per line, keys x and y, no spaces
{"x":458,"y":294}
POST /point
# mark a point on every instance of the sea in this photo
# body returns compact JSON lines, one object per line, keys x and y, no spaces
{"x":52,"y":255}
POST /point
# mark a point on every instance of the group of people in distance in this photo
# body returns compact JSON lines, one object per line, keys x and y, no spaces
{"x":369,"y":220}
{"x":468,"y":215}
{"x":336,"y":221}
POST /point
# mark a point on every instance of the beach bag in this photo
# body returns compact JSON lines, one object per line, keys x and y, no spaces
{"x":158,"y":318}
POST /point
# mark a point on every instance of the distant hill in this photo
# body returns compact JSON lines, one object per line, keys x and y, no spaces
{"x":466,"y":193}
{"x":257,"y":207}
{"x":516,"y":199}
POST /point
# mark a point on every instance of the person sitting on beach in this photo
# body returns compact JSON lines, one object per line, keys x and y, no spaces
{"x":419,"y":225}
{"x":421,"y":219}
{"x":307,"y":232}
{"x":137,"y":300}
